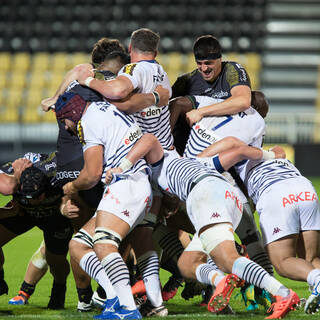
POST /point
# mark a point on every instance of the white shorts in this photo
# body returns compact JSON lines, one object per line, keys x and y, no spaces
{"x":288,"y":207}
{"x":129,"y":199}
{"x":195,"y":244}
{"x":213,"y":200}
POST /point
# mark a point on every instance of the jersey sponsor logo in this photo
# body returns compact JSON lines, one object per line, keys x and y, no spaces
{"x":232,"y":196}
{"x":110,"y":195}
{"x":302,"y":196}
{"x":128,"y":69}
{"x":205,"y":134}
{"x":50,"y":166}
{"x":80,"y":133}
{"x":67,"y":175}
{"x":133,"y":136}
{"x":150,"y":112}
{"x":158,"y":77}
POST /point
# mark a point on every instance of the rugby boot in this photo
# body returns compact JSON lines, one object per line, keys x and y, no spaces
{"x":312,"y":304}
{"x":223,"y":292}
{"x":148,"y":310}
{"x":20,"y":299}
{"x":283,"y":305}
{"x":171,"y":287}
{"x":247,"y":293}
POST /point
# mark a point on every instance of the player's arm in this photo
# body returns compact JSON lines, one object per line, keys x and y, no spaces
{"x":147,"y":147}
{"x":9,"y":182}
{"x":91,"y":172}
{"x":179,"y":107}
{"x":69,"y":77}
{"x":115,"y":89}
{"x":230,"y":150}
{"x":240,"y":100}
{"x":138,"y":101}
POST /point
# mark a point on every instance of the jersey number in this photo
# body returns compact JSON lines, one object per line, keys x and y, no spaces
{"x":127,"y":120}
{"x":222,"y":123}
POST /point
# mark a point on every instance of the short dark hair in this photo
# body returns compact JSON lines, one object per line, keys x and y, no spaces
{"x":104,"y":47}
{"x":207,"y":47}
{"x":145,"y":40}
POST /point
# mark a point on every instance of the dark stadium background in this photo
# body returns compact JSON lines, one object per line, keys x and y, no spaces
{"x":278,"y":41}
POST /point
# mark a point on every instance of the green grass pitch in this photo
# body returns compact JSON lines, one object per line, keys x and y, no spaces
{"x":18,"y":252}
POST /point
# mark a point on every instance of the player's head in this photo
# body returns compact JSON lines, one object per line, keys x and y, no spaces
{"x":207,"y":53}
{"x":112,"y":63}
{"x":69,"y":108}
{"x":144,"y":41}
{"x":260,"y":103}
{"x":33,"y":183}
{"x":103,"y":48}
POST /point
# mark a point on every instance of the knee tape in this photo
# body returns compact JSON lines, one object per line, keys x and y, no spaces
{"x":106,"y":236}
{"x":213,"y":236}
{"x":38,"y":259}
{"x":84,"y":237}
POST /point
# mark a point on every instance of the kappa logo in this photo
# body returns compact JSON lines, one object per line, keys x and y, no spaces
{"x":126,"y":213}
{"x":276,"y":230}
{"x":205,"y":134}
{"x":215,"y":215}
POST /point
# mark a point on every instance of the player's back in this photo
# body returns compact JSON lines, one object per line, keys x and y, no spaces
{"x":247,"y":126}
{"x":259,"y":175}
{"x":103,"y":124}
{"x":145,"y":76}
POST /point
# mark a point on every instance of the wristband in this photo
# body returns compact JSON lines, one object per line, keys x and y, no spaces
{"x":156,"y":96}
{"x":87,"y":81}
{"x":268,"y":155}
{"x":125,"y":164}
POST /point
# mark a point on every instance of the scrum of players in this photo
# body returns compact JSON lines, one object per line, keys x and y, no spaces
{"x":147,"y":176}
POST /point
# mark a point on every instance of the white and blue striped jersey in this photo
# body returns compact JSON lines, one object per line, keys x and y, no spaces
{"x":247,"y":126}
{"x":260,"y":175}
{"x":145,"y":76}
{"x":103,"y":124}
{"x":178,"y":174}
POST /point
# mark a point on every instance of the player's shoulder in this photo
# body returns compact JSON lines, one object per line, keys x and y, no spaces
{"x":232,"y":66}
{"x":129,"y":68}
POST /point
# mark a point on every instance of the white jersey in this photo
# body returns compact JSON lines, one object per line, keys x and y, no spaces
{"x":145,"y":76}
{"x":247,"y":126}
{"x":260,"y":175}
{"x":178,"y":175}
{"x":103,"y":124}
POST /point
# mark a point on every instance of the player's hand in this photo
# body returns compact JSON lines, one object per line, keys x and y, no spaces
{"x":193,"y":116}
{"x":110,"y":176}
{"x":69,"y":188}
{"x":279,"y":152}
{"x":164,"y":96}
{"x":69,"y":210}
{"x":19,"y":165}
{"x":47,"y":103}
{"x":83,"y":71}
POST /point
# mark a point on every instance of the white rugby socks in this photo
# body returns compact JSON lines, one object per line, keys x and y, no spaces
{"x":92,"y":266}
